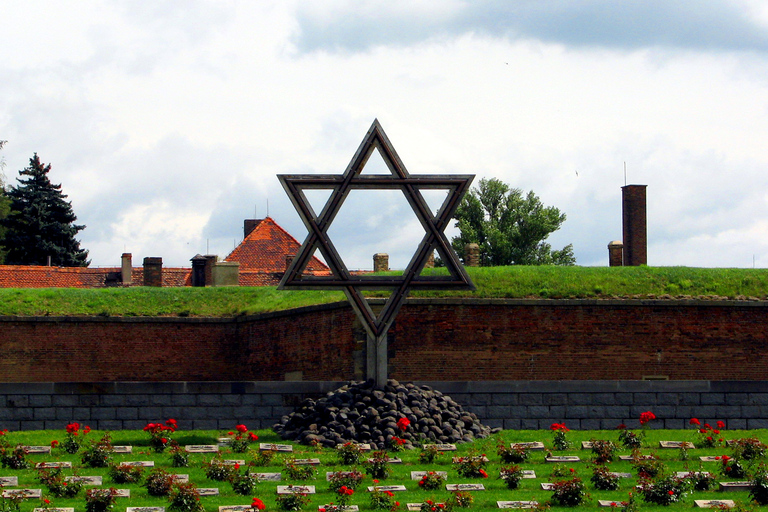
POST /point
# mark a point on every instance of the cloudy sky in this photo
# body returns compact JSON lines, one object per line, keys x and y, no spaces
{"x":166,"y":122}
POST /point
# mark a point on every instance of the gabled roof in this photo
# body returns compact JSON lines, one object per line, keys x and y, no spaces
{"x":266,"y":247}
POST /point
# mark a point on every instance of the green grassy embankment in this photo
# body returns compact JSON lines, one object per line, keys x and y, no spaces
{"x":492,"y":282}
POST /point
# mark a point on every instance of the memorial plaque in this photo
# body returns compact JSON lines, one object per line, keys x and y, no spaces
{"x":139,"y":463}
{"x":642,"y":457}
{"x":517,"y":504}
{"x":710,"y":458}
{"x":123,"y":449}
{"x":26,"y":493}
{"x":608,"y":503}
{"x":54,"y":509}
{"x":465,"y":487}
{"x":306,"y":462}
{"x":586,"y":445}
{"x":85,"y":480}
{"x":529,"y":473}
{"x":268,"y":477}
{"x":715,"y":503}
{"x":144,"y":509}
{"x":621,"y":475}
{"x":224,"y":440}
{"x":418,"y":475}
{"x":391,"y":460}
{"x":182,"y":479}
{"x":54,"y":464}
{"x":329,"y":474}
{"x":275,"y":447}
{"x":9,"y":481}
{"x":676,"y":444}
{"x":563,"y":458}
{"x":233,"y":462}
{"x":744,"y":485}
{"x":348,"y":508}
{"x":533,"y":445}
{"x":235,"y":508}
{"x":37,"y":449}
{"x":683,"y":474}
{"x":122,"y":493}
{"x":442,"y":447}
{"x":295,"y":489}
{"x":416,"y":507}
{"x":208,"y":491}
{"x":201,"y":448}
{"x":547,"y":486}
{"x":482,"y":458}
{"x":390,"y":488}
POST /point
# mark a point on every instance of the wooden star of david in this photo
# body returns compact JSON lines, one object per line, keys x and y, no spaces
{"x":411,"y":186}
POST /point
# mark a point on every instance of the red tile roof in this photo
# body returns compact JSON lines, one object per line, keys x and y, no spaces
{"x":265,"y":250}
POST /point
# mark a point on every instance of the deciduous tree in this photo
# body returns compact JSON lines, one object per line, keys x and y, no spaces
{"x":510,"y":227}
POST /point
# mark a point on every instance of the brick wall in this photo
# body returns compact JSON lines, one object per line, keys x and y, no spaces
{"x":435,"y":340}
{"x":507,"y":404}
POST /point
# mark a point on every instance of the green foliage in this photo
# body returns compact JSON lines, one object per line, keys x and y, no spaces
{"x":57,"y":485}
{"x":13,"y":457}
{"x":100,"y":500}
{"x":159,"y":482}
{"x":604,"y":479}
{"x":509,"y":227}
{"x":41,"y":224}
{"x":511,"y":476}
{"x":125,"y":473}
{"x":184,"y":497}
{"x":569,"y":493}
{"x":98,"y":454}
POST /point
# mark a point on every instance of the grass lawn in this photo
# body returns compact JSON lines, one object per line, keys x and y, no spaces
{"x":530,"y":489}
{"x":492,"y":282}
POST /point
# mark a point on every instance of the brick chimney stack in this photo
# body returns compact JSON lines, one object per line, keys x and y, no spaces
{"x":634,"y":225}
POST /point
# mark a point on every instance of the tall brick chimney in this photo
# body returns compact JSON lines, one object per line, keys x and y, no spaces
{"x":634,"y":225}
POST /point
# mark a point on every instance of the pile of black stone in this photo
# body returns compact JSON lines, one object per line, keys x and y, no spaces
{"x":359,"y":412}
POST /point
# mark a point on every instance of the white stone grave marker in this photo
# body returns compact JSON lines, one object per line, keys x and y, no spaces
{"x":144,"y":509}
{"x":348,"y":508}
{"x":235,"y":508}
{"x":201,"y":448}
{"x":743,"y":485}
{"x":85,"y":480}
{"x":676,"y":444}
{"x":275,"y":447}
{"x":418,"y":475}
{"x":329,"y":474}
{"x":37,"y":449}
{"x":125,"y":449}
{"x":465,"y":487}
{"x":54,"y":464}
{"x":517,"y":504}
{"x":208,"y":491}
{"x":416,"y":507}
{"x":181,"y":478}
{"x":139,"y":463}
{"x":9,"y":481}
{"x":26,"y":493}
{"x":563,"y":458}
{"x":715,"y":503}
{"x":532,"y":445}
{"x":446,"y":447}
{"x":268,"y":477}
{"x":390,"y":488}
{"x":295,"y":489}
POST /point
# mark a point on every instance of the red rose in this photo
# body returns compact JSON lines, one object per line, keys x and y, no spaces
{"x":241,"y":428}
{"x":694,"y":421}
{"x":721,"y":425}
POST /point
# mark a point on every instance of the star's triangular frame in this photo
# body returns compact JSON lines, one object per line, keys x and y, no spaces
{"x":398,"y":179}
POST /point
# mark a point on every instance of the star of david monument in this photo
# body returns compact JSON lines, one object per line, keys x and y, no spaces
{"x":340,"y":278}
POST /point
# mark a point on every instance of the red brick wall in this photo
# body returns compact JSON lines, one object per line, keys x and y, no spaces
{"x":437,"y":341}
{"x":597,"y":340}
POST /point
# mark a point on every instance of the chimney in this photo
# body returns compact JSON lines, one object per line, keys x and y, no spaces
{"x":153,"y":271}
{"x":198,"y":270}
{"x":126,"y":268}
{"x":615,"y":254}
{"x":380,"y":262}
{"x":249,"y":225}
{"x":472,"y":255}
{"x":210,"y":261}
{"x":634,"y":225}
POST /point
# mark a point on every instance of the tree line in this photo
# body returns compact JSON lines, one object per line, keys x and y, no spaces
{"x":37,"y":223}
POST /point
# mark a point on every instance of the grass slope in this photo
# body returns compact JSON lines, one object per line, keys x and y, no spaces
{"x":530,"y":489}
{"x":492,"y":282}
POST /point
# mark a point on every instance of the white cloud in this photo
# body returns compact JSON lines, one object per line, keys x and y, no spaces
{"x":191,"y":112}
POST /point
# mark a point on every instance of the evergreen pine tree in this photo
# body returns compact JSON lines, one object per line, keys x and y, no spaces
{"x":5,"y":204}
{"x":41,"y":223}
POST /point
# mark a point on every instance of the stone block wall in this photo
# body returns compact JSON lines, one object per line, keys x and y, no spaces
{"x":507,"y":404}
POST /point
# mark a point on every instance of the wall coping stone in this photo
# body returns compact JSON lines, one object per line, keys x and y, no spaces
{"x":447,"y":387}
